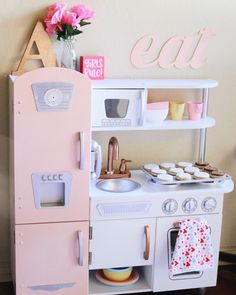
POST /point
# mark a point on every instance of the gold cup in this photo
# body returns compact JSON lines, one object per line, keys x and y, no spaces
{"x":176,"y":110}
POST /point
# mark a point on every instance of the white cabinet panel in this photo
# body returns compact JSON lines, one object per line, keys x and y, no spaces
{"x":117,"y":243}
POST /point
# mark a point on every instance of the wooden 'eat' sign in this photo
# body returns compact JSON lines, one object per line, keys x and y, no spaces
{"x":41,"y":41}
{"x":188,"y":54}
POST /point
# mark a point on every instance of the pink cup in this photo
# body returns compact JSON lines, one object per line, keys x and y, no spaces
{"x":194,"y":110}
{"x":159,"y":105}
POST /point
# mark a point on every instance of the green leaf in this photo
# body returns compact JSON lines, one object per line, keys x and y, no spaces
{"x":67,"y":32}
{"x":84,"y":23}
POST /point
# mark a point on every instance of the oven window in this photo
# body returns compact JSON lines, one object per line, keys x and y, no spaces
{"x":116,"y":108}
{"x":172,"y":237}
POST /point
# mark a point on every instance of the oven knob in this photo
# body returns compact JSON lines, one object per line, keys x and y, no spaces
{"x":170,"y":206}
{"x":189,"y":205}
{"x":209,"y":204}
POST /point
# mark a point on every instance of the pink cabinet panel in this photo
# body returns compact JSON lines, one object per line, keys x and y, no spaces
{"x":51,"y":111}
{"x":52,"y":258}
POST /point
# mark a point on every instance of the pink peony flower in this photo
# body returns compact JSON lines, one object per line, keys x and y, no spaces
{"x":57,"y":7}
{"x":69,"y":18}
{"x":66,"y":24}
{"x":82,"y":12}
{"x":55,"y":13}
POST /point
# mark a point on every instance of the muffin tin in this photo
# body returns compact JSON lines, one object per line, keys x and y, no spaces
{"x":176,"y":182}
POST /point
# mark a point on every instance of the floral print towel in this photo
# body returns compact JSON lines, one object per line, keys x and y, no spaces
{"x":193,"y":249}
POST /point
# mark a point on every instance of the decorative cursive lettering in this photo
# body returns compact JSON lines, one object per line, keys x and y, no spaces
{"x":176,"y":51}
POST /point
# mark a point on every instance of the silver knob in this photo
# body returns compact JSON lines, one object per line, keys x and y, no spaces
{"x":170,"y":206}
{"x":209,"y":204}
{"x":189,"y":205}
{"x":53,"y":97}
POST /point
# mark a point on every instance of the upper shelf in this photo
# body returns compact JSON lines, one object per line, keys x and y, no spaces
{"x":154,"y":83}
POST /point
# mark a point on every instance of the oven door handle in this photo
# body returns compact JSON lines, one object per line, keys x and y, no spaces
{"x":147,"y":242}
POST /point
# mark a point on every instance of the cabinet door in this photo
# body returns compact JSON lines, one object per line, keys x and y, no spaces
{"x":52,"y":258}
{"x":118,"y":243}
{"x":51,"y":141}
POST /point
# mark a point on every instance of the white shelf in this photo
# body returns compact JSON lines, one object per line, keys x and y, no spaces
{"x":165,"y":125}
{"x":98,"y":288}
{"x":154,"y":83}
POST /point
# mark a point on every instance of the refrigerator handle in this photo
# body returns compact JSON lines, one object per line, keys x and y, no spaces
{"x":80,"y":237}
{"x":81,"y":150}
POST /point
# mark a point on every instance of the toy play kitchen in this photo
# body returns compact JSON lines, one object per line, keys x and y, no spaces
{"x":73,"y":233}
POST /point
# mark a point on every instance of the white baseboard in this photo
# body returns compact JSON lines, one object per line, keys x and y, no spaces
{"x":5,"y":271}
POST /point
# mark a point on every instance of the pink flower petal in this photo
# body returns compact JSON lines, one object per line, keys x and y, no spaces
{"x":69,"y":18}
{"x":82,"y":12}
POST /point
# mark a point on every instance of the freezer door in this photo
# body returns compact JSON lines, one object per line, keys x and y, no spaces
{"x":52,"y":258}
{"x":51,"y":110}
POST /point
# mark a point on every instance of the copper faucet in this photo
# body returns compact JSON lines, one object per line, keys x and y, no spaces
{"x":113,"y":154}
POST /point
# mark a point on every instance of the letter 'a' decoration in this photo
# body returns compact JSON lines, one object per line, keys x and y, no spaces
{"x":179,"y":51}
{"x":45,"y":52}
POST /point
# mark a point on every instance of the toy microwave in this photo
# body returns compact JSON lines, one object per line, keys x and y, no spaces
{"x":118,"y":107}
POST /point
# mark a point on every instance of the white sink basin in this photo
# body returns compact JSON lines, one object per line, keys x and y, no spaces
{"x":118,"y":185}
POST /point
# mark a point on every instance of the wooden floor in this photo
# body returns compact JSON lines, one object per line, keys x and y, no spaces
{"x":226,"y":285}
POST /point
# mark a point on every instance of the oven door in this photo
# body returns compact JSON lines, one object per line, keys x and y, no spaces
{"x":118,"y":108}
{"x":165,"y":243}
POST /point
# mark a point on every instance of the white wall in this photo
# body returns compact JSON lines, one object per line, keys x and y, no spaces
{"x":114,"y":31}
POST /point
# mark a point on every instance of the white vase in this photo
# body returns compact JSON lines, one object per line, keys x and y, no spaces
{"x":68,"y":56}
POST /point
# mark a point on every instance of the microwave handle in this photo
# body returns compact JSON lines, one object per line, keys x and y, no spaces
{"x":143,"y":102}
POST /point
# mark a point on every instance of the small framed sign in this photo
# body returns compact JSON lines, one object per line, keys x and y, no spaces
{"x":92,"y":66}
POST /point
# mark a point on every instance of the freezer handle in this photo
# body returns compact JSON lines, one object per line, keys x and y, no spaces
{"x":81,"y":151}
{"x":80,"y":237}
{"x":147,"y":239}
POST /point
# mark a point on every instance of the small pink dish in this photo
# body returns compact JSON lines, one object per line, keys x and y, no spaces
{"x":160,"y":105}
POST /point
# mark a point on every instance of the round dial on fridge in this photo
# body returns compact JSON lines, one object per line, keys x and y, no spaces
{"x":170,"y":206}
{"x":53,"y":97}
{"x":189,"y":205}
{"x":209,"y":204}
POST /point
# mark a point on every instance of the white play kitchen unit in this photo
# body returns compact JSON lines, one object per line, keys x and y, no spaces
{"x":67,"y":224}
{"x":136,"y":226}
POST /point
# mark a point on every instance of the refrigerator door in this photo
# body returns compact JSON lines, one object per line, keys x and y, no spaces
{"x":51,"y":111}
{"x":52,"y":258}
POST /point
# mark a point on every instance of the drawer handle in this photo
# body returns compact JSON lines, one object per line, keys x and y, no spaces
{"x":147,"y":242}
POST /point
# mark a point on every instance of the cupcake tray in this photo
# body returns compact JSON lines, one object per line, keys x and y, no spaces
{"x":192,"y":181}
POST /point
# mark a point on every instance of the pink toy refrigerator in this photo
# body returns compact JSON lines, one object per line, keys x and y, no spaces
{"x":49,"y":181}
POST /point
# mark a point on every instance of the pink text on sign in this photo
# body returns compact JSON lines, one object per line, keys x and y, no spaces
{"x":92,"y":66}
